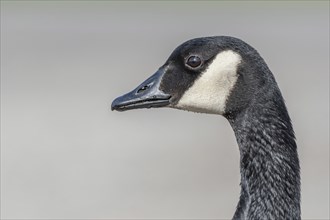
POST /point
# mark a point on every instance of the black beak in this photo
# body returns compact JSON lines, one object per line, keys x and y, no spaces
{"x":146,"y":95}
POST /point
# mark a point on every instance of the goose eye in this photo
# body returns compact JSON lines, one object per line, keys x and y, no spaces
{"x":194,"y":61}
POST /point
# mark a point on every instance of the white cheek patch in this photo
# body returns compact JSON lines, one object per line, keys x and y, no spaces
{"x":210,"y":91}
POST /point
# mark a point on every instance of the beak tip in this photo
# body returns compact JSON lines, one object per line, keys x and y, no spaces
{"x":114,"y":104}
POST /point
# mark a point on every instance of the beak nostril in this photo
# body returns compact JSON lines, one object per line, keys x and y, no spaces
{"x":143,"y":88}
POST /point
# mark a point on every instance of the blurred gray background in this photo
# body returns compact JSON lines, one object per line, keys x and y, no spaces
{"x":65,"y":155}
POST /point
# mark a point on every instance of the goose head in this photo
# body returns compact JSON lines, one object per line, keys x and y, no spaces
{"x":215,"y":75}
{"x":225,"y":76}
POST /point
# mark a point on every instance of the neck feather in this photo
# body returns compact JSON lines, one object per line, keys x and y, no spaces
{"x":269,"y":164}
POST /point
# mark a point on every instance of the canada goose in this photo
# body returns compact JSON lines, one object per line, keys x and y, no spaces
{"x":226,"y":76}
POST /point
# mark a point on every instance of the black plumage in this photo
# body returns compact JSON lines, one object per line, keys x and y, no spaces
{"x":269,"y":165}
